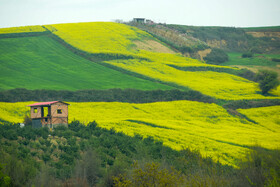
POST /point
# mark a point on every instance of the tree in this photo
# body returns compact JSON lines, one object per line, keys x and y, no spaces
{"x":247,"y":55}
{"x":5,"y":180}
{"x":27,"y":120}
{"x":89,"y":168}
{"x":150,"y":175}
{"x":267,"y":80}
{"x":216,"y":56}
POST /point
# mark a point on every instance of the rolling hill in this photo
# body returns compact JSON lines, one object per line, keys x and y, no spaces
{"x":79,"y":56}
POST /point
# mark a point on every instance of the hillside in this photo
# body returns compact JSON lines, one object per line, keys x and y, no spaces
{"x":235,"y":39}
{"x":105,"y":43}
{"x":157,"y":65}
{"x":42,"y":63}
{"x":107,"y":38}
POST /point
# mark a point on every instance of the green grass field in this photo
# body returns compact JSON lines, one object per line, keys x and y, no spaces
{"x":256,"y":60}
{"x":42,"y":63}
{"x":256,"y":63}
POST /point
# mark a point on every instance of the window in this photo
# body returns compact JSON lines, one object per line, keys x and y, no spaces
{"x":59,"y":111}
{"x":35,"y":110}
{"x":46,"y":119}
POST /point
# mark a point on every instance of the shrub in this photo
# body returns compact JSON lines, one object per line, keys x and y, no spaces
{"x":261,"y":168}
{"x":267,"y":80}
{"x":27,"y":121}
{"x":150,"y":175}
{"x":217,"y":56}
{"x":247,"y":55}
{"x":275,"y":59}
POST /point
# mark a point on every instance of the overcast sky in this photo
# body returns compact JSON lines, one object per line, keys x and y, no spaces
{"x":237,"y":13}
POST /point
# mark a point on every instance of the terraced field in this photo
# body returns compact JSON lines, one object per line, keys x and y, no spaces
{"x":179,"y":124}
{"x":42,"y":63}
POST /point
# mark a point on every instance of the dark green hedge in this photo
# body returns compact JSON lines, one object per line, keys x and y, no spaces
{"x":128,"y":95}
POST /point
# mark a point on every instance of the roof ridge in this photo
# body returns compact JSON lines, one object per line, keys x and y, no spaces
{"x":46,"y":103}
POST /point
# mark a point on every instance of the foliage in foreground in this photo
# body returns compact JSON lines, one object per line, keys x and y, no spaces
{"x":89,"y":155}
{"x":86,"y":153}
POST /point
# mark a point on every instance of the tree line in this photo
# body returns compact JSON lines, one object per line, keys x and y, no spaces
{"x":110,"y":95}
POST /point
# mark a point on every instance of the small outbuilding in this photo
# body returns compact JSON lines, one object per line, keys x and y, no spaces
{"x":139,"y":20}
{"x":49,"y":114}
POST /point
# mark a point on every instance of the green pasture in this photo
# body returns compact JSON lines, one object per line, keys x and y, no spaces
{"x":42,"y":63}
{"x":256,"y":60}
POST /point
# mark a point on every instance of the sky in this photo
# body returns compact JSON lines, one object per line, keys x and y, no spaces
{"x":233,"y":13}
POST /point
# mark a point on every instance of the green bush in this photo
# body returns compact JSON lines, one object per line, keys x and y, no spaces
{"x":267,"y":80}
{"x":217,"y":56}
{"x":247,"y":55}
{"x":275,"y":59}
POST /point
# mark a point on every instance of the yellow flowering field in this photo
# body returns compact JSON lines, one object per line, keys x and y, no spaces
{"x":109,"y":37}
{"x":216,"y":84}
{"x":276,"y":91}
{"x":22,"y":29}
{"x":179,"y":124}
{"x":177,"y":59}
{"x":14,"y":112}
{"x":99,"y":37}
{"x":270,"y":116}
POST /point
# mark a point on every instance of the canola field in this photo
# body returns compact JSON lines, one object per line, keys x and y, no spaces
{"x":178,"y":124}
{"x":21,"y":29}
{"x":276,"y":91}
{"x":270,"y":116}
{"x":216,"y":84}
{"x":99,"y":37}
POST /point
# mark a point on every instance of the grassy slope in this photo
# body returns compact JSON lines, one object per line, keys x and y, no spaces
{"x":42,"y":63}
{"x":204,"y":127}
{"x":257,"y":60}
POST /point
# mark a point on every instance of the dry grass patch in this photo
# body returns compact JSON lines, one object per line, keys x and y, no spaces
{"x":153,"y":46}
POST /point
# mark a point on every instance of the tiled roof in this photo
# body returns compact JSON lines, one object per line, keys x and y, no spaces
{"x":46,"y":103}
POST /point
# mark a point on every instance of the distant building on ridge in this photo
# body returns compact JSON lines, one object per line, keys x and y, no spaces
{"x":139,"y":20}
{"x":49,"y":114}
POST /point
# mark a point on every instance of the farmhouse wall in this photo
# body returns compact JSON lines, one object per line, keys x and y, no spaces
{"x":38,"y":114}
